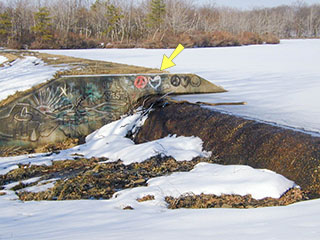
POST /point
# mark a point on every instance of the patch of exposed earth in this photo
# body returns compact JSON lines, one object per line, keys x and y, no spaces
{"x":234,"y":201}
{"x":95,"y":179}
{"x":92,"y":179}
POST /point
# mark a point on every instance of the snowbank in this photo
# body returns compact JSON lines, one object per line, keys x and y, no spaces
{"x":209,"y":179}
{"x":110,"y":142}
{"x":3,"y":59}
{"x":23,"y":74}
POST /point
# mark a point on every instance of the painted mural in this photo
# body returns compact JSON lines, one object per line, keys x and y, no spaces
{"x":74,"y":106}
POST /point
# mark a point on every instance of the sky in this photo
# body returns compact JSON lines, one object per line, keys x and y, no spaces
{"x":249,"y":4}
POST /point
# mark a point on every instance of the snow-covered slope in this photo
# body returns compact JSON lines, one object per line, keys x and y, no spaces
{"x":3,"y":59}
{"x":281,"y":83}
{"x":24,"y":73}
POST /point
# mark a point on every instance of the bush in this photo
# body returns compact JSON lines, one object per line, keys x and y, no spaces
{"x":247,"y":38}
{"x":270,"y":39}
{"x":224,"y":39}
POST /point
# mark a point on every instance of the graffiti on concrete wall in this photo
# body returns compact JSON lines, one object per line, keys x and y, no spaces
{"x":185,"y":81}
{"x":63,"y":108}
{"x":77,"y":105}
{"x":143,"y":81}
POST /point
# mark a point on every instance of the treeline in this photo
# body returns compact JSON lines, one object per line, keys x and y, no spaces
{"x":148,"y":23}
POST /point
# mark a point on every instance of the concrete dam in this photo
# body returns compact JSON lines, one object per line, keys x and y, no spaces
{"x":74,"y":106}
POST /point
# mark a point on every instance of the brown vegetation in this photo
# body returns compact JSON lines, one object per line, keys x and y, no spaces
{"x":146,"y":198}
{"x":234,"y":201}
{"x":92,"y":179}
{"x":149,"y":23}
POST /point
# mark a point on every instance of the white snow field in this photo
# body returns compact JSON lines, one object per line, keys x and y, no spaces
{"x":280,"y":83}
{"x":23,"y":74}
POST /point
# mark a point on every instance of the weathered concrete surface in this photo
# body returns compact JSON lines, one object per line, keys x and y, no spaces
{"x":74,"y":106}
{"x":235,"y":140}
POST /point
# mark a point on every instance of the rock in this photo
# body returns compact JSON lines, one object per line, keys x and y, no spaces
{"x":128,"y":208}
{"x":146,"y":198}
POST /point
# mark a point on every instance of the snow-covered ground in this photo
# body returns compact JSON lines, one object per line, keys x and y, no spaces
{"x":3,"y":59}
{"x":89,"y":219}
{"x":23,"y":74}
{"x":280,"y":83}
{"x":106,"y":220}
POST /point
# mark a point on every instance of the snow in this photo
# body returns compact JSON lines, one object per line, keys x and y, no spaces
{"x":280,"y":82}
{"x":24,"y":73}
{"x":110,"y":142}
{"x":208,"y":179}
{"x":41,"y":186}
{"x":3,"y":59}
{"x":87,"y":219}
{"x":28,"y":181}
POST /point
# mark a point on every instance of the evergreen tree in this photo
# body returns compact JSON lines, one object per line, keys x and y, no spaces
{"x":107,"y":17}
{"x":113,"y":16}
{"x":156,"y":14}
{"x":42,"y":28}
{"x":5,"y":27}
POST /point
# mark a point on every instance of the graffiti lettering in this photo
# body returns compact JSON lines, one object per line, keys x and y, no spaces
{"x":116,"y":96}
{"x":155,"y":82}
{"x":140,"y":82}
{"x":195,"y":81}
{"x":185,"y":81}
{"x":175,"y":81}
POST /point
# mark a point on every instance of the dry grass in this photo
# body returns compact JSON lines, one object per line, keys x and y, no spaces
{"x":146,"y":198}
{"x":9,"y":56}
{"x":170,"y":39}
{"x":234,"y":201}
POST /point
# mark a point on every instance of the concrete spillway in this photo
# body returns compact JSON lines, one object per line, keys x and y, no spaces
{"x":74,"y":106}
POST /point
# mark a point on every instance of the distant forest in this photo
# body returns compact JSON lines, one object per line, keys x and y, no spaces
{"x":148,"y":23}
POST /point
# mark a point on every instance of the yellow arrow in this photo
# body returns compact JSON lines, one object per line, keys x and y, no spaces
{"x":167,"y":62}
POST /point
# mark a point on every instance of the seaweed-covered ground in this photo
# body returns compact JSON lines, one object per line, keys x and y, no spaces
{"x":91,"y":179}
{"x":95,"y":179}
